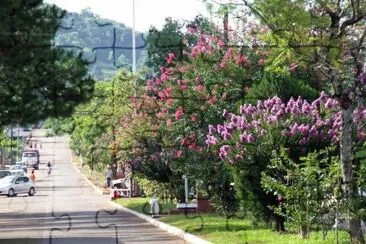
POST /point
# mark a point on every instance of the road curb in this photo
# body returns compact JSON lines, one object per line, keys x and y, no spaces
{"x":96,"y":189}
{"x":171,"y":229}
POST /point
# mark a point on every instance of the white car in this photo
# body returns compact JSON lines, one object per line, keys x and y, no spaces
{"x":20,"y":165}
{"x":12,"y":185}
{"x":18,"y":172}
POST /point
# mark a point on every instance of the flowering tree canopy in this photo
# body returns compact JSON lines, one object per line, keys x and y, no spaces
{"x":299,"y":122}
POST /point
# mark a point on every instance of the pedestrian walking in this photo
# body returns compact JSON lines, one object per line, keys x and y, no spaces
{"x":108,"y":176}
{"x":49,"y":167}
{"x":33,"y":177}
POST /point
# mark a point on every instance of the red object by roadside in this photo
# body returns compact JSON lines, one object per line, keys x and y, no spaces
{"x":115,"y":193}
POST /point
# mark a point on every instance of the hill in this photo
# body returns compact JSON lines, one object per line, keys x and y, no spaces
{"x":95,"y":38}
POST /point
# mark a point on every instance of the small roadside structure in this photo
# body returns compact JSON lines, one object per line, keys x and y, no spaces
{"x":154,"y":207}
{"x":121,"y":188}
{"x":186,"y":205}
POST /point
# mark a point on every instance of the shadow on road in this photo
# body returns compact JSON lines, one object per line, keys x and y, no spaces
{"x":72,"y":240}
{"x":89,"y":227}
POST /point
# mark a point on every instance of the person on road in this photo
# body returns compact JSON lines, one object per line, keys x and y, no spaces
{"x":108,"y":176}
{"x":49,"y":167}
{"x":33,"y":177}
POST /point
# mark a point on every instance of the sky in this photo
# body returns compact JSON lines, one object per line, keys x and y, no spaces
{"x":147,"y":12}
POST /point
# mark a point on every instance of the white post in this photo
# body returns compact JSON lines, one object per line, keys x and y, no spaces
{"x":133,"y":39}
{"x":185,"y":177}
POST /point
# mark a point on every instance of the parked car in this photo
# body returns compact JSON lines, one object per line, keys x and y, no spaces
{"x":4,"y":173}
{"x":31,"y":157}
{"x":12,"y":185}
{"x":20,"y":165}
{"x":19,"y":172}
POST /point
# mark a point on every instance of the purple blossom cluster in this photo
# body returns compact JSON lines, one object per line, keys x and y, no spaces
{"x":298,"y":121}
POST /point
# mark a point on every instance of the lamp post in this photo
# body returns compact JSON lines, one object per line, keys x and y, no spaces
{"x":11,"y":145}
{"x":133,"y":39}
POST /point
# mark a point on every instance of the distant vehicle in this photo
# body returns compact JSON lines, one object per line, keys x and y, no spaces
{"x":13,"y":185}
{"x":21,"y":165}
{"x":4,"y":173}
{"x":31,"y":157}
{"x":19,"y":172}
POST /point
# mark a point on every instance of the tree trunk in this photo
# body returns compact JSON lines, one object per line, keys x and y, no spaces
{"x":346,"y":154}
{"x":355,"y":231}
{"x":304,"y":232}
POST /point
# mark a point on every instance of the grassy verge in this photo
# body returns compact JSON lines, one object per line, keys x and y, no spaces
{"x":217,"y":229}
{"x":141,"y":205}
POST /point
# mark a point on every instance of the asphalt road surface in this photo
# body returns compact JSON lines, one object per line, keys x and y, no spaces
{"x":65,"y":209}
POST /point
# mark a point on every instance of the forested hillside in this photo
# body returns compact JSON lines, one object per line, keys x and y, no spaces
{"x":95,"y":37}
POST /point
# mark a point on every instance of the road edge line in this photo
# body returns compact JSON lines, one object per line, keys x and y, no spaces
{"x":96,"y":189}
{"x":166,"y":227}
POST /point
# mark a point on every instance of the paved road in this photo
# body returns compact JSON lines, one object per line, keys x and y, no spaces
{"x":66,"y":209}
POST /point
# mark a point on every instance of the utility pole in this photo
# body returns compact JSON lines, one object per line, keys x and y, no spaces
{"x":11,"y":145}
{"x":133,"y":39}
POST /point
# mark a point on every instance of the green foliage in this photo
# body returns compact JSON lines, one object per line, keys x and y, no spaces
{"x":310,"y":188}
{"x":59,"y":126}
{"x":37,"y":80}
{"x":152,"y":188}
{"x":222,"y":191}
{"x":172,"y":39}
{"x":95,"y":123}
{"x":360,"y":172}
{"x":283,"y":86}
{"x":360,"y":156}
{"x":6,"y":143}
{"x":161,"y":43}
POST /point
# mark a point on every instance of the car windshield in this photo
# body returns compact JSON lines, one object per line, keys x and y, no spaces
{"x":6,"y":179}
{"x":29,"y":155}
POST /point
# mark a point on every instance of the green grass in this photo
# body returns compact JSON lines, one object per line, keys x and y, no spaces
{"x":139,"y":205}
{"x":97,"y":178}
{"x":215,"y":228}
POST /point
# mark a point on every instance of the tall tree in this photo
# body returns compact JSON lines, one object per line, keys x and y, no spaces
{"x":329,"y":36}
{"x":172,"y":39}
{"x":37,"y":80}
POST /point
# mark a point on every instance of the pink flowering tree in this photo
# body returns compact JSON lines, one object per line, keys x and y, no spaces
{"x":189,"y":94}
{"x":247,"y":140}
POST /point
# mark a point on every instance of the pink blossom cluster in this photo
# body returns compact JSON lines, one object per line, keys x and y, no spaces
{"x":236,"y":57}
{"x":179,"y":113}
{"x":170,"y":58}
{"x":298,"y":120}
{"x":206,"y":45}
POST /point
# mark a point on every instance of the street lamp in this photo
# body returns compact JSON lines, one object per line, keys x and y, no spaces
{"x":133,"y":39}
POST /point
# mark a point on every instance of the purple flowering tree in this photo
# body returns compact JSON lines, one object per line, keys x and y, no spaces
{"x":246,"y":140}
{"x":300,"y":123}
